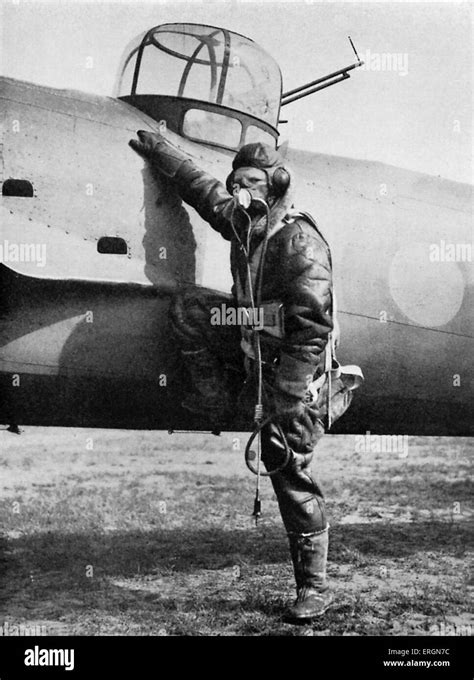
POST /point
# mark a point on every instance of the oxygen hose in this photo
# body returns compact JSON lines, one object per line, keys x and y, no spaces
{"x":259,"y":420}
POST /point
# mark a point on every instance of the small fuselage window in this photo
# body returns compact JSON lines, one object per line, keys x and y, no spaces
{"x":17,"y":187}
{"x":112,"y":245}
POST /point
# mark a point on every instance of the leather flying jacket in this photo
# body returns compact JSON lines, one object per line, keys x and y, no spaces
{"x":296,"y":272}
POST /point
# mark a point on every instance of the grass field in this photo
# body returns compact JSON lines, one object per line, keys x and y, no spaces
{"x":145,"y":533}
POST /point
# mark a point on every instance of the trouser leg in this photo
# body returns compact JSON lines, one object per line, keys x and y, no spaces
{"x":299,"y":496}
{"x":303,"y":512}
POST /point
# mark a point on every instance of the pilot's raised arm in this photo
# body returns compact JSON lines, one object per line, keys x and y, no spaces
{"x":199,"y":189}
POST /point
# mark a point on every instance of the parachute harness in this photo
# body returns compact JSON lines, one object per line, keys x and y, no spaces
{"x":260,"y":420}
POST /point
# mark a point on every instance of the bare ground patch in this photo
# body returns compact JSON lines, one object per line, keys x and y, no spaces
{"x":150,"y":534}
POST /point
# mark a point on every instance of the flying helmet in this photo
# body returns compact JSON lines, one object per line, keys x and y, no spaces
{"x":263,"y":157}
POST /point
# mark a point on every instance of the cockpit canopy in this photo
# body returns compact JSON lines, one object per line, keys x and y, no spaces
{"x":209,"y":84}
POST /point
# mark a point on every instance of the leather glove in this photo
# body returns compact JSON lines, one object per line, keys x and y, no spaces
{"x":299,"y":418}
{"x":164,"y":155}
{"x":302,"y":431}
{"x":146,"y":143}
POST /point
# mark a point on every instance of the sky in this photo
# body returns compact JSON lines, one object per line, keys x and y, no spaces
{"x":415,"y":113}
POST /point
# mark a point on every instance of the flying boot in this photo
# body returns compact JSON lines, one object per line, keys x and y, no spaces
{"x":309,"y":556}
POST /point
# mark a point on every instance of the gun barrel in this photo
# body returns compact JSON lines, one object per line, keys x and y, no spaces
{"x":342,"y":77}
{"x":330,"y":76}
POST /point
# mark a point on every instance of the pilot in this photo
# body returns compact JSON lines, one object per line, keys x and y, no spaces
{"x":282,"y":252}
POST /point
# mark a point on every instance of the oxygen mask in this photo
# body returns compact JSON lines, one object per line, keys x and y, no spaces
{"x":248,"y":200}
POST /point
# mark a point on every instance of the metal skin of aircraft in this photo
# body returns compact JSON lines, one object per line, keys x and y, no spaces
{"x":94,"y":244}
